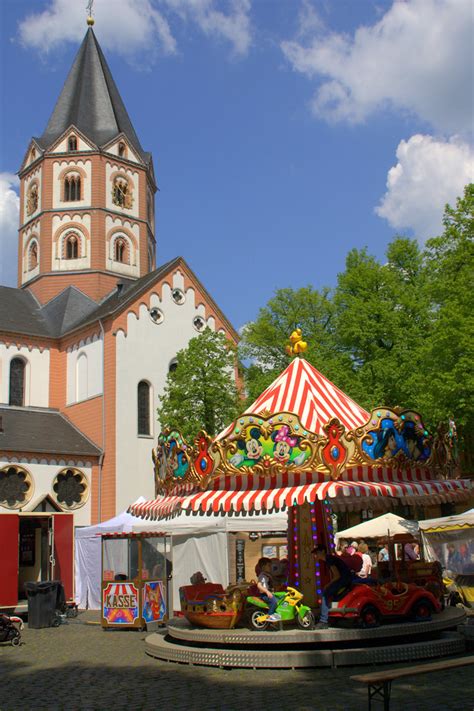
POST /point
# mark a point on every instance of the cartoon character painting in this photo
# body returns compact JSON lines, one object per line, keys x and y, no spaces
{"x":154,"y":605}
{"x":284,"y":445}
{"x":280,"y":446}
{"x":386,"y":444}
{"x":388,"y":441}
{"x":251,"y":449}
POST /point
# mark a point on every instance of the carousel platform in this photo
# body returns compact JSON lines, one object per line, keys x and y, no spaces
{"x":293,"y":648}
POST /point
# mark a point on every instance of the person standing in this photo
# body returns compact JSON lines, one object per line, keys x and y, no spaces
{"x":340,"y":581}
{"x":366,"y":569}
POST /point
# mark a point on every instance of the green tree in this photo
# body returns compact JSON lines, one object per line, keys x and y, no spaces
{"x":381,"y":316}
{"x":201,"y":392}
{"x":263,"y":340}
{"x":447,"y":389}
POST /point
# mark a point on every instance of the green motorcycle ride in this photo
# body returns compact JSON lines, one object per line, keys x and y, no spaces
{"x":290,"y":609}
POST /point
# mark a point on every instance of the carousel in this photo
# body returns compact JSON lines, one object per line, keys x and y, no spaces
{"x":307,"y":447}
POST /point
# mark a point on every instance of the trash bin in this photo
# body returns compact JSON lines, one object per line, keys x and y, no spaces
{"x":42,"y":603}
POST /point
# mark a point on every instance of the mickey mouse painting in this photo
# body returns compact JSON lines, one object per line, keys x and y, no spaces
{"x":252,"y":447}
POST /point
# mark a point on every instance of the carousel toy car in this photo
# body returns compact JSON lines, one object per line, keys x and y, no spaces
{"x":373,"y":604}
{"x":209,"y":605}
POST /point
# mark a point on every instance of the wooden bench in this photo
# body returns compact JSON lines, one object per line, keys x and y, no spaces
{"x":379,"y":684}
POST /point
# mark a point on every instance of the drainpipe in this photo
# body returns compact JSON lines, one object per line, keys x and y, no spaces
{"x":101,"y":458}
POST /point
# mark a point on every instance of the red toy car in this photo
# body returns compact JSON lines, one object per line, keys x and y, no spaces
{"x":371,"y":604}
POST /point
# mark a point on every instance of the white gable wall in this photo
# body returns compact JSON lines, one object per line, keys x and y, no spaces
{"x":145,"y":353}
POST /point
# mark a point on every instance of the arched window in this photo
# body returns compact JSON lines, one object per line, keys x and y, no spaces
{"x":32,"y":199}
{"x":72,"y":246}
{"x":121,"y":193}
{"x":33,"y":256}
{"x":120,"y":251}
{"x":72,"y":187}
{"x":17,"y":382}
{"x":81,"y":377}
{"x":143,"y":410}
{"x":72,"y":143}
{"x":33,"y":153}
{"x":122,"y":150}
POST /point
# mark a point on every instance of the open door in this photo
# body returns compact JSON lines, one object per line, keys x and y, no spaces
{"x":9,"y":531}
{"x":63,"y":551}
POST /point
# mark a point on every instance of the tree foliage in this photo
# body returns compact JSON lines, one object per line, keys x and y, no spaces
{"x":201,"y":392}
{"x":397,"y":332}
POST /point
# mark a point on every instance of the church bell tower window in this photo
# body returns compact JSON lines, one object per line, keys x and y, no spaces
{"x":33,"y":256}
{"x":121,"y":193}
{"x":122,"y":150}
{"x":32,"y":199}
{"x":72,"y":247}
{"x":72,"y":144}
{"x":120,"y":251}
{"x":72,"y":188}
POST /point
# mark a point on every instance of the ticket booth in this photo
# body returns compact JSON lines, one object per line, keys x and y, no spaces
{"x":136,"y":570}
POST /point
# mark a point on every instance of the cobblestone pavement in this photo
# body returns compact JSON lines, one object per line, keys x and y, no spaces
{"x":80,"y":667}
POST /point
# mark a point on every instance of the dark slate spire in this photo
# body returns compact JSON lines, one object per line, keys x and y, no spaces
{"x":91,"y":101}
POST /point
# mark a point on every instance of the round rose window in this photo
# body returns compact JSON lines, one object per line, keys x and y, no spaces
{"x":71,"y":488}
{"x":16,"y":487}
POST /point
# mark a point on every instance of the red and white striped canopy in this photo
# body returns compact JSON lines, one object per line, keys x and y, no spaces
{"x":359,"y":487}
{"x":305,"y":392}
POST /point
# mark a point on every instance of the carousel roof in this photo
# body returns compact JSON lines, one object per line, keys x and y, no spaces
{"x":360,"y":488}
{"x":303,"y":391}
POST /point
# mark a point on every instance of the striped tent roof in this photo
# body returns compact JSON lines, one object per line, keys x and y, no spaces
{"x":360,"y":487}
{"x":305,"y":392}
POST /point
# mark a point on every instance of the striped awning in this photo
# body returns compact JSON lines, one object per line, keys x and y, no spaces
{"x":360,"y":488}
{"x":305,"y":392}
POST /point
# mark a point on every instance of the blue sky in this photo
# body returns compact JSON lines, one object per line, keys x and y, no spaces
{"x":284,"y":132}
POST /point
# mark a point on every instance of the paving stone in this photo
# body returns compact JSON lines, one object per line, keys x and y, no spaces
{"x":79,"y":667}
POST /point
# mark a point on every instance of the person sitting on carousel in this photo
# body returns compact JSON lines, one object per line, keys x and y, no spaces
{"x":341,"y":578}
{"x":265,"y":587}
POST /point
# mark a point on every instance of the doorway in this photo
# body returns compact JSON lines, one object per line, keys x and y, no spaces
{"x":35,"y":551}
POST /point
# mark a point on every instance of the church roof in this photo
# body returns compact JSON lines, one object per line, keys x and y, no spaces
{"x":25,"y":429}
{"x":91,"y":102}
{"x":21,"y":313}
{"x":72,"y":309}
{"x":67,"y":309}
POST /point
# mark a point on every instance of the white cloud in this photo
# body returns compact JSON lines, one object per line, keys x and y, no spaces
{"x":415,"y":59}
{"x":233,"y":26}
{"x":135,"y":27}
{"x":9,"y":214}
{"x":429,"y":173}
{"x":126,"y":27}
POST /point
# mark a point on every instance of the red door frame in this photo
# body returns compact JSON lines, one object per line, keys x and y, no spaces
{"x":9,"y":532}
{"x":63,"y":569}
{"x":63,"y":553}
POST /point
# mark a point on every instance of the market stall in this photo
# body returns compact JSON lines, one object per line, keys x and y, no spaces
{"x":386,"y":525}
{"x":136,"y":569}
{"x":214,"y":545}
{"x":451,"y":541}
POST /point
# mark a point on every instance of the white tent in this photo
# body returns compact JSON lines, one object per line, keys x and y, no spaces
{"x":199,"y":543}
{"x":386,"y":525}
{"x":450,"y":540}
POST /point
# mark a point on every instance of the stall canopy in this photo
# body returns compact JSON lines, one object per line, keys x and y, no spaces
{"x":451,"y":541}
{"x":302,"y":441}
{"x":386,"y":525}
{"x":199,"y":543}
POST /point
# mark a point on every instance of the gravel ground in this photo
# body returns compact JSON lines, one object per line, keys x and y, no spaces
{"x":79,"y":666}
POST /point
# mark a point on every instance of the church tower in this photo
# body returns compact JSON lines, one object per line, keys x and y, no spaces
{"x":86,"y":190}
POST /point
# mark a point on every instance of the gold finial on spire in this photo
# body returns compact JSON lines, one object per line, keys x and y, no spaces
{"x":90,"y":19}
{"x":296,"y":344}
